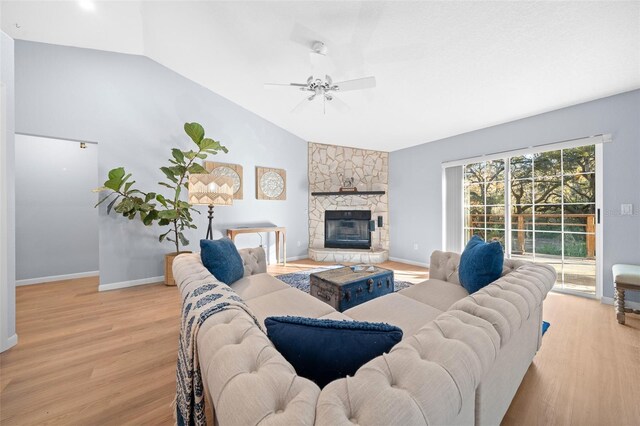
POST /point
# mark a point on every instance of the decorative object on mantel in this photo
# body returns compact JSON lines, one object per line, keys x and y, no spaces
{"x":209,"y":190}
{"x":347,"y":184}
{"x":271,"y":184}
{"x":234,"y":171}
{"x":172,"y":211}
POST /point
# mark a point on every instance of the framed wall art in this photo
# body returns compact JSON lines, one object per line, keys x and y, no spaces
{"x":271,"y":184}
{"x":233,"y":171}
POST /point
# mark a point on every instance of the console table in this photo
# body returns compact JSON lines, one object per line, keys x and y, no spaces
{"x":278,"y":230}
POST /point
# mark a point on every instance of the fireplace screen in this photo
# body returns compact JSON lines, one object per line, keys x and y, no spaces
{"x":347,"y":229}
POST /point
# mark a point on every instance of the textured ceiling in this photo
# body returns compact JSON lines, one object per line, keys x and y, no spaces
{"x":443,"y":68}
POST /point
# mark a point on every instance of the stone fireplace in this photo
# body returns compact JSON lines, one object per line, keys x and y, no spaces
{"x":329,"y":166}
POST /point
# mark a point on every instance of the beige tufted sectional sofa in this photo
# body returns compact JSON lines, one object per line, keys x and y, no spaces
{"x":460,"y":362}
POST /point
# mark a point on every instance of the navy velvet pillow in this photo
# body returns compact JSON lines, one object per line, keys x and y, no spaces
{"x":222,"y":259}
{"x":324,"y":350}
{"x":480,"y":264}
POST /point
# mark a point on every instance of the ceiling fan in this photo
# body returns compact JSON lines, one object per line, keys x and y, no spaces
{"x":325,"y":89}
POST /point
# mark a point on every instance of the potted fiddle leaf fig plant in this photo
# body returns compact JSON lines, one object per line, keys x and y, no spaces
{"x":168,"y":210}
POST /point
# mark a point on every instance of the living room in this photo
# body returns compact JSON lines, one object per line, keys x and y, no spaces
{"x":334,"y":162}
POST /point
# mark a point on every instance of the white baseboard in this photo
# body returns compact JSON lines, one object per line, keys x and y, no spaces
{"x":304,"y":256}
{"x":9,"y":343}
{"x":41,"y":280}
{"x":132,"y":283}
{"x":627,"y":303}
{"x":409,"y":262}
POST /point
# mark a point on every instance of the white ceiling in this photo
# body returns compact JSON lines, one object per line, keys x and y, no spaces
{"x":443,"y":68}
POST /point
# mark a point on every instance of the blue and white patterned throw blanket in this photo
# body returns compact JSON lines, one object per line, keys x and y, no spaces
{"x":199,"y":304}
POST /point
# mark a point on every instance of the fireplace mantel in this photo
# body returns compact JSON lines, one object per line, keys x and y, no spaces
{"x":325,"y":194}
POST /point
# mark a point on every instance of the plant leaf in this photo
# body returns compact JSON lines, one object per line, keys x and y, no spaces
{"x":150,"y":217}
{"x":196,"y":168}
{"x":169,"y":173}
{"x":178,"y":155}
{"x":195,"y":132}
{"x":210,"y":144}
{"x":183,"y":239}
{"x":128,"y":185}
{"x":104,"y":199}
{"x":168,"y":214}
{"x":167,"y":185}
{"x":110,"y":206}
{"x":117,"y":173}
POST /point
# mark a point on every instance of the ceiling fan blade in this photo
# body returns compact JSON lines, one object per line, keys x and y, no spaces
{"x":357,"y":84}
{"x":276,"y":85}
{"x":303,"y":104}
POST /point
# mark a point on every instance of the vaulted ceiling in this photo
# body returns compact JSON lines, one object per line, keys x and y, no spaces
{"x":442,"y":68}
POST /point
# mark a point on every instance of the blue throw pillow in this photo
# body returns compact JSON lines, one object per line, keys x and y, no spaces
{"x":222,"y":259}
{"x":480,"y":264}
{"x":324,"y":350}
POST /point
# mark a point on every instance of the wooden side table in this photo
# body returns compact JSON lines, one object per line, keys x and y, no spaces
{"x":278,"y":230}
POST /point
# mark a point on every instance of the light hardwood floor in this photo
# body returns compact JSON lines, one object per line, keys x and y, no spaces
{"x":91,"y":358}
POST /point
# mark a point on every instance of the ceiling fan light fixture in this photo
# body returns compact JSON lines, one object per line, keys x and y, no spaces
{"x":319,"y":47}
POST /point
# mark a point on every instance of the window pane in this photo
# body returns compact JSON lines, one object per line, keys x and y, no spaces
{"x":474,"y":194}
{"x":471,"y":232}
{"x":522,"y":192}
{"x":521,"y":242}
{"x":547,"y":163}
{"x":521,"y":167}
{"x":521,"y":217}
{"x":496,"y":235}
{"x":494,"y":171}
{"x":579,"y":246}
{"x":579,"y":160}
{"x":474,"y":217}
{"x":580,"y":275}
{"x":495,"y":193}
{"x":580,"y":188}
{"x":549,"y":244}
{"x":495,"y":217}
{"x":548,"y":217}
{"x":474,"y":173}
{"x":548,"y":191}
{"x":580,"y":218}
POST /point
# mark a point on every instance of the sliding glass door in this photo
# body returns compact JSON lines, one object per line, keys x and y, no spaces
{"x":541,"y":207}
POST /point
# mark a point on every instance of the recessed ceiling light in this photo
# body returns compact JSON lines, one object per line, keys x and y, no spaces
{"x":89,"y":5}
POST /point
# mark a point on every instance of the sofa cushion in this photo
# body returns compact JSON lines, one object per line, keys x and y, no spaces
{"x":257,"y":285}
{"x":397,"y":309}
{"x":336,"y":316}
{"x":439,"y":294}
{"x":480,"y":264}
{"x":222,"y":259}
{"x":324,"y":350}
{"x":289,"y":301}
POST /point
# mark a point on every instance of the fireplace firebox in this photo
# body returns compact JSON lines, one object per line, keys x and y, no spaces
{"x":347,"y":229}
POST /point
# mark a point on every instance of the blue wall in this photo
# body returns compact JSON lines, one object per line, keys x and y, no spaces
{"x":415,"y":193}
{"x":135,"y":109}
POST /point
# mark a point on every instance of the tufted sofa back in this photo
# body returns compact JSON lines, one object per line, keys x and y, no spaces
{"x":253,"y":260}
{"x":444,"y":266}
{"x":431,"y":377}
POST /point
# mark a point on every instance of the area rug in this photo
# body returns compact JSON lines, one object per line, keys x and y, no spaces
{"x":545,"y":327}
{"x":300,"y":279}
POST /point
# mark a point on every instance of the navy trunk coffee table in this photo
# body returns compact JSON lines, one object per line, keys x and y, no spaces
{"x":346,"y":287}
